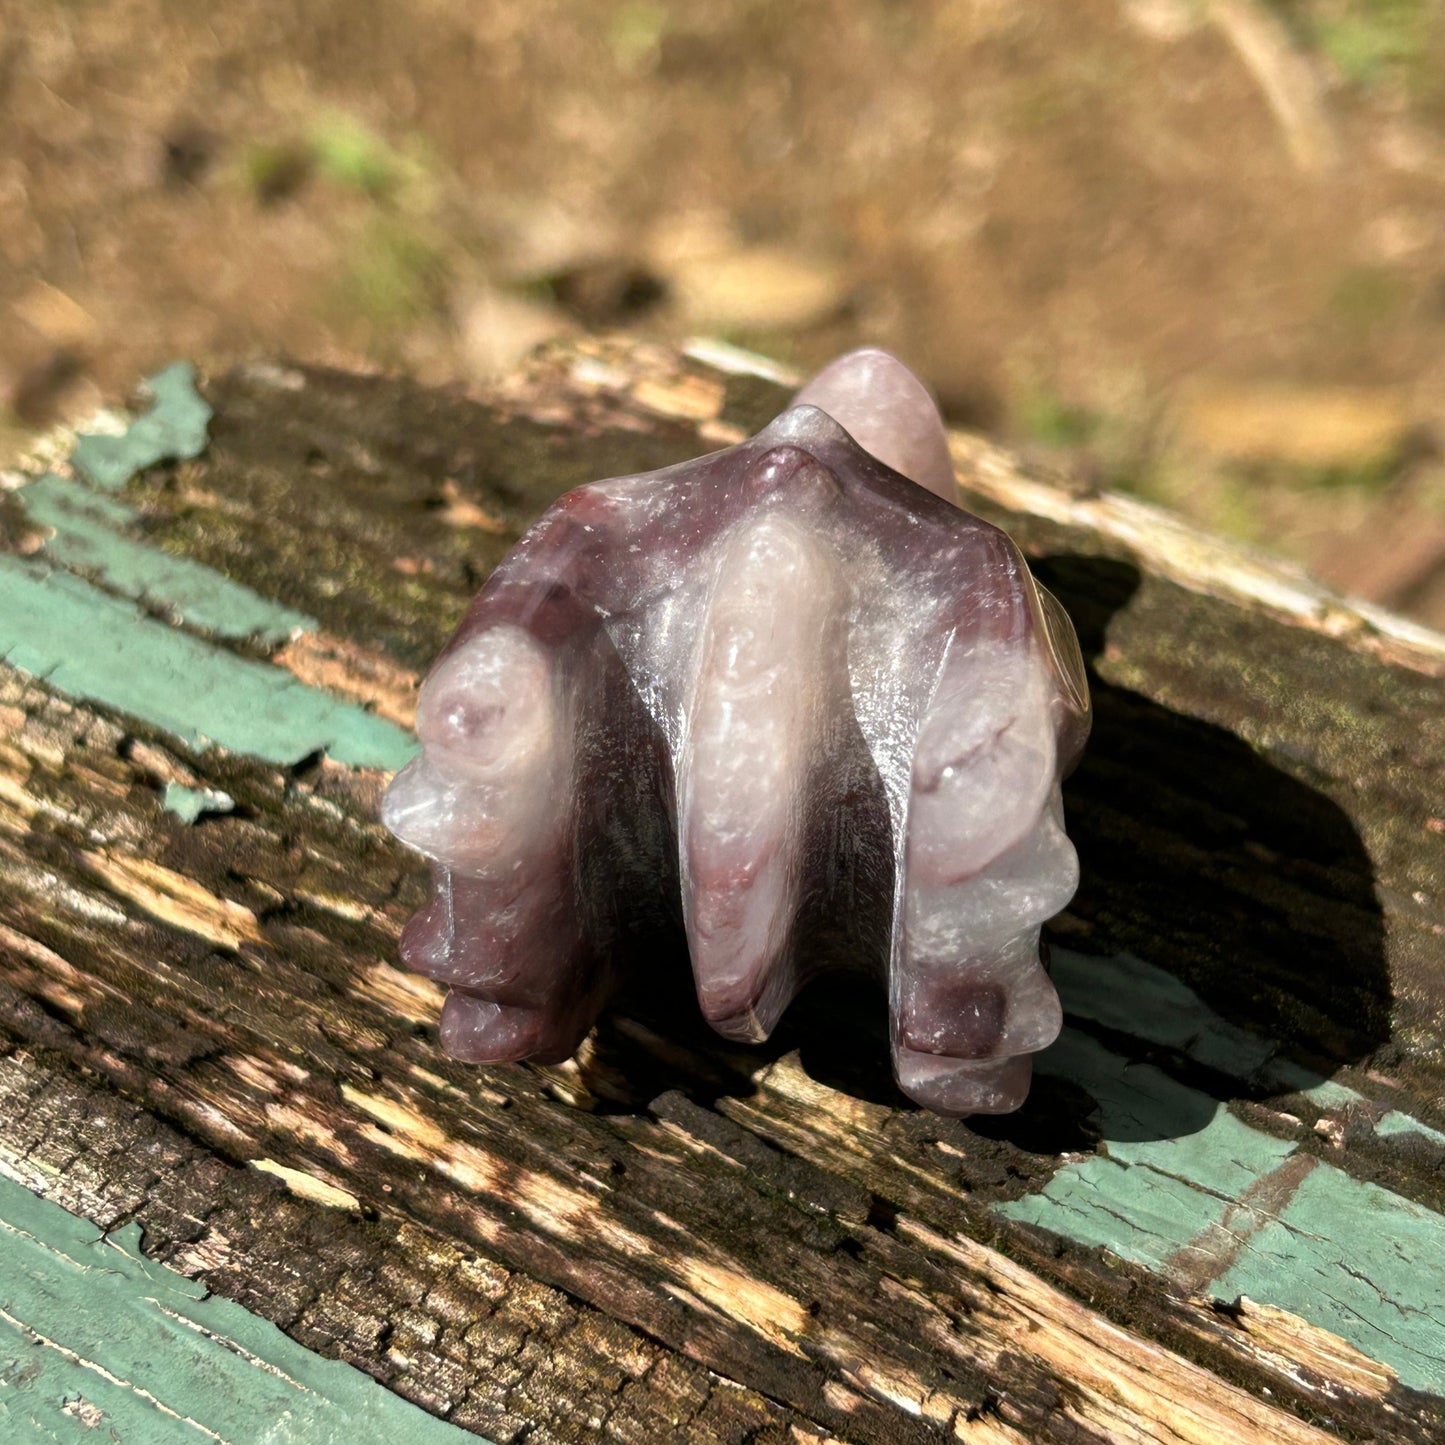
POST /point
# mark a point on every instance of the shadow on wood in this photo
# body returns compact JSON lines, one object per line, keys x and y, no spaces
{"x":1198,"y":856}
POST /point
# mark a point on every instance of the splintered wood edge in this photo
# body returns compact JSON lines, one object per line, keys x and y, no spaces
{"x":1170,"y":547}
{"x":1116,"y":1381}
{"x":1121,"y":1385}
{"x":1161,"y":540}
{"x":1196,"y":561}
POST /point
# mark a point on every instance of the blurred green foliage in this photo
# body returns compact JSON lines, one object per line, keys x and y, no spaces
{"x":1039,"y":413}
{"x":635,"y":34}
{"x":395,"y":275}
{"x":394,"y":270}
{"x":1371,"y":43}
{"x":348,"y":154}
{"x":274,"y":170}
{"x":336,"y":148}
{"x":1365,"y":296}
{"x":1371,"y":40}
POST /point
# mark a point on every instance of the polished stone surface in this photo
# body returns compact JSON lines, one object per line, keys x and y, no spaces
{"x":787,"y":695}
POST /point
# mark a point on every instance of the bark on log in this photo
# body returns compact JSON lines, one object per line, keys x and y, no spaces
{"x":203,"y":1030}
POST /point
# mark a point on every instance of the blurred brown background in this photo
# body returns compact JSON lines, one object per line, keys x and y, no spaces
{"x":1190,"y":248}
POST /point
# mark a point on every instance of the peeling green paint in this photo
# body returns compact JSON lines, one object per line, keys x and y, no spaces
{"x":85,"y":641}
{"x":1138,"y":999}
{"x":189,"y":803}
{"x":1182,"y":1186}
{"x":1394,"y":1124}
{"x":174,"y":428}
{"x":1287,"y":1077}
{"x":89,"y":530}
{"x":88,"y":534}
{"x":1348,"y":1256}
{"x":97,"y":1342}
{"x":1141,"y":1000}
{"x":91,"y":645}
{"x":1357,"y":1260}
{"x":1330,"y":1095}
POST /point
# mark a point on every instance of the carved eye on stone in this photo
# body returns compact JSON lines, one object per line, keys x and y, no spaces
{"x":789,"y":695}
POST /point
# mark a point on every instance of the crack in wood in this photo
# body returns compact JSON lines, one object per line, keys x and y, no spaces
{"x":789,"y":1179}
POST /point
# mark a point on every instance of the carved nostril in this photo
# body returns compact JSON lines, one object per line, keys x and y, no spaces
{"x":963,"y":1020}
{"x":792,"y":473}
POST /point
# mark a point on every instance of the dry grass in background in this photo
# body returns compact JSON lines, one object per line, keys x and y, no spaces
{"x":1195,"y":248}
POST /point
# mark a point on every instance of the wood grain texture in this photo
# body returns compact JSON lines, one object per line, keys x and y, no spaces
{"x":676,"y":1237}
{"x":95,"y":1336}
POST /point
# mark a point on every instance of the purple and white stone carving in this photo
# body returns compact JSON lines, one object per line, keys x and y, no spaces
{"x":789,"y":694}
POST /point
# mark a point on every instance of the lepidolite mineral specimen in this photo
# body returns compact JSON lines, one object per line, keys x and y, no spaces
{"x":785,"y":695}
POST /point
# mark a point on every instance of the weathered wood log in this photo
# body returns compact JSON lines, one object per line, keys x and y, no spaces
{"x":1218,"y":1216}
